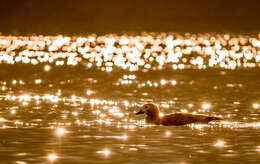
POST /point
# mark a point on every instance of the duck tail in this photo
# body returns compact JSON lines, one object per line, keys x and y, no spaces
{"x":213,"y":119}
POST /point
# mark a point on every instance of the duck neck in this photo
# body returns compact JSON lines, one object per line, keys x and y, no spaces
{"x":152,"y":119}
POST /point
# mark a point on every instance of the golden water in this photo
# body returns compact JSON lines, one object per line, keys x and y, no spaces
{"x":73,"y":99}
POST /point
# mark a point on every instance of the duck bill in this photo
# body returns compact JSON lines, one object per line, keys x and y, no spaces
{"x":140,"y":112}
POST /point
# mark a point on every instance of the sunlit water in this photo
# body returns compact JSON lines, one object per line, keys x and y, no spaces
{"x":80,"y":108}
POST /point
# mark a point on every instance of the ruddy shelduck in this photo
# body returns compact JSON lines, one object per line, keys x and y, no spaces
{"x":153,"y":117}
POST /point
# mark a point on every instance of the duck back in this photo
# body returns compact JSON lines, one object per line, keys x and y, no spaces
{"x":183,"y":118}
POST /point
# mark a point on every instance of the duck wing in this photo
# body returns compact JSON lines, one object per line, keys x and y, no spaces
{"x":184,"y":118}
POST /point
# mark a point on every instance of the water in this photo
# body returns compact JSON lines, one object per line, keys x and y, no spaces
{"x":81,"y":113}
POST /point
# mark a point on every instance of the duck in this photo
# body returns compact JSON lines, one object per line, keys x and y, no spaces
{"x":152,"y":113}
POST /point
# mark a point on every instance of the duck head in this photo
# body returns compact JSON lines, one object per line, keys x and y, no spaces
{"x":151,"y":110}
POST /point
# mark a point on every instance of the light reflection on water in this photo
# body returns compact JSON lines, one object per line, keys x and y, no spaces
{"x":77,"y":115}
{"x":61,"y":122}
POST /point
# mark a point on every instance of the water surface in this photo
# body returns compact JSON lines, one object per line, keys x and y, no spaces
{"x":81,"y":113}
